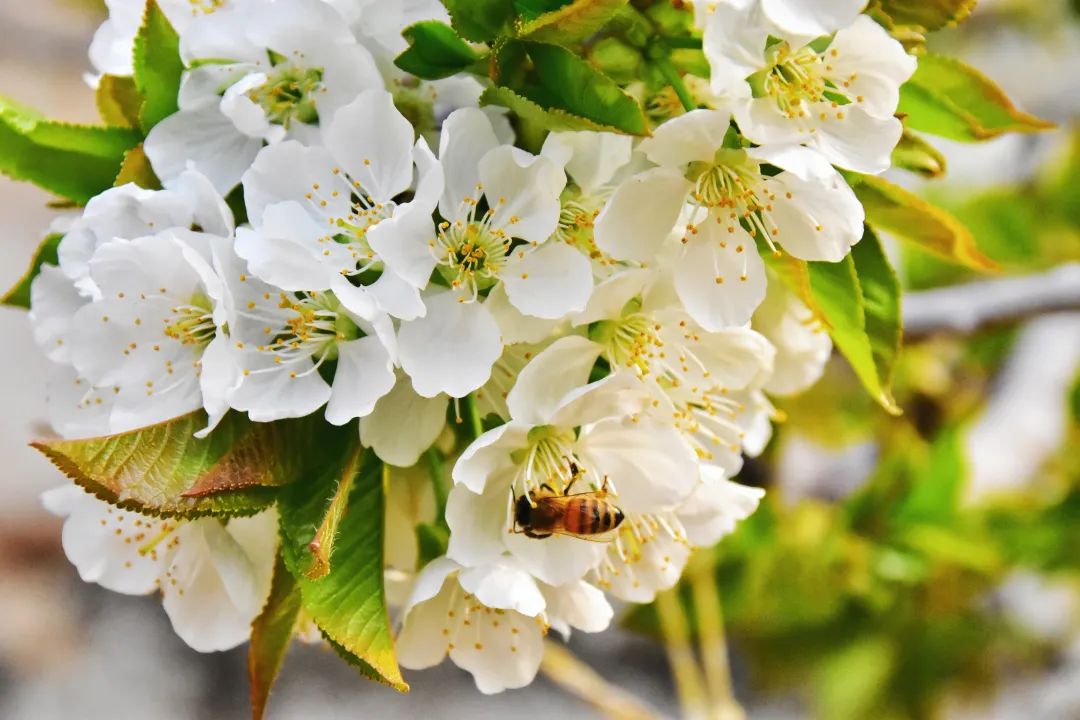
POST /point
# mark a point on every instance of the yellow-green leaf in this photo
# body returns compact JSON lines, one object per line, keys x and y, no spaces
{"x":928,"y":14}
{"x":860,"y":300}
{"x":570,"y":23}
{"x":19,"y":294}
{"x":136,"y":169}
{"x":348,"y":604}
{"x":271,"y":633}
{"x":118,"y":101}
{"x":948,"y":98}
{"x":158,"y":66}
{"x":914,"y":220}
{"x":164,"y":469}
{"x":915,"y":154}
{"x":75,"y":162}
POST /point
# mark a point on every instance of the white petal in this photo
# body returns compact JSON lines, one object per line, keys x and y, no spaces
{"x":715,"y":506}
{"x":649,"y":465}
{"x":498,"y":659}
{"x":505,"y":586}
{"x":489,"y":454}
{"x":248,"y":116}
{"x":579,"y":605}
{"x":478,"y":523}
{"x":364,"y":374}
{"x":402,"y":242}
{"x":544,"y":383}
{"x":610,"y":296}
{"x":802,"y":344}
{"x":53,"y":304}
{"x":556,"y":560}
{"x":373,"y":142}
{"x":421,"y":644}
{"x":396,"y":297}
{"x":268,"y":391}
{"x":590,"y":158}
{"x":873,"y":64}
{"x":858,"y":141}
{"x":720,"y":286}
{"x":641,"y":213}
{"x":289,"y":171}
{"x":515,"y":326}
{"x":466,"y":137}
{"x":733,"y":357}
{"x":523,"y":192}
{"x":451,"y":349}
{"x":549,"y":282}
{"x":403,"y":425}
{"x":286,"y":251}
{"x":817,"y":219}
{"x":103,"y":542}
{"x":205,"y":140}
{"x":695,"y":136}
{"x":219,"y":376}
{"x":812,"y":17}
{"x":736,"y":33}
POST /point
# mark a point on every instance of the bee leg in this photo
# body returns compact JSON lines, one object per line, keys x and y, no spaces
{"x":605,"y":488}
{"x":549,"y":489}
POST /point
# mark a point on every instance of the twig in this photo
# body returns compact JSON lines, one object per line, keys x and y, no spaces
{"x":689,"y":685}
{"x":577,"y":678}
{"x":964,"y":309}
{"x":713,"y":643}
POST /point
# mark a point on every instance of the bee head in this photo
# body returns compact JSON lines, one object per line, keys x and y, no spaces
{"x":523,"y":511}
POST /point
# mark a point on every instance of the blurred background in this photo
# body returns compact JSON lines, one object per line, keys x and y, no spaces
{"x":926,"y":566}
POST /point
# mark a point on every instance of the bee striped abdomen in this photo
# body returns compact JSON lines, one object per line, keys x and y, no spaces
{"x":589,"y":516}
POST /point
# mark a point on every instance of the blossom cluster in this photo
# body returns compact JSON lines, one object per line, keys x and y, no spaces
{"x":603,"y":302}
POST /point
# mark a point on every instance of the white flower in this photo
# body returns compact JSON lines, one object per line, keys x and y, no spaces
{"x":596,"y":162}
{"x":213,"y":575}
{"x":280,"y":339}
{"x":491,"y":620}
{"x":807,"y":208}
{"x":704,"y":383}
{"x":651,"y":549}
{"x":812,"y":17}
{"x":802,"y":344}
{"x":557,"y":419}
{"x":153,"y":337}
{"x":257,"y":72}
{"x":77,"y":409}
{"x":324,"y":215}
{"x":379,"y":24}
{"x":494,"y":195}
{"x":839,"y":100}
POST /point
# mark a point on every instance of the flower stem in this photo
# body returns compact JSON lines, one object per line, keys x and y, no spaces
{"x":568,"y":672}
{"x":711,"y":639}
{"x":663,"y":64}
{"x":689,"y":685}
{"x":472,"y":413}
{"x":439,"y":485}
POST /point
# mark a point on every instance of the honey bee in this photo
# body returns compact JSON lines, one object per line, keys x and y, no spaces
{"x":588,"y":515}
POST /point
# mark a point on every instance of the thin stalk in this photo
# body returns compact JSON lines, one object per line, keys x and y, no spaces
{"x":663,"y":64}
{"x":439,"y":485}
{"x":689,"y":685}
{"x":568,"y":672}
{"x":690,"y":43}
{"x":712,"y":641}
{"x":472,"y":414}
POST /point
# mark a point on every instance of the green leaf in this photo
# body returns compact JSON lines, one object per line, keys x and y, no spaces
{"x":348,"y":603}
{"x":948,"y":98}
{"x":435,"y":51}
{"x":73,"y":161}
{"x":859,"y":298}
{"x":158,"y":66}
{"x":564,"y":92}
{"x":915,"y":154}
{"x":164,"y":470}
{"x":914,"y":220}
{"x":118,"y":101}
{"x":137,"y":169}
{"x":928,"y":14}
{"x":19,"y":295}
{"x":322,"y":545}
{"x":936,"y":491}
{"x":532,"y":9}
{"x":271,"y":633}
{"x":481,"y":20}
{"x":572,"y":22}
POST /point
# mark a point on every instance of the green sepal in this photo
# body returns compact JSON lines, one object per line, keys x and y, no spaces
{"x":271,"y":634}
{"x":118,"y":101}
{"x":916,"y":155}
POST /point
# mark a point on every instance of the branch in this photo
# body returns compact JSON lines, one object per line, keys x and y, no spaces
{"x":964,"y":309}
{"x":577,"y":678}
